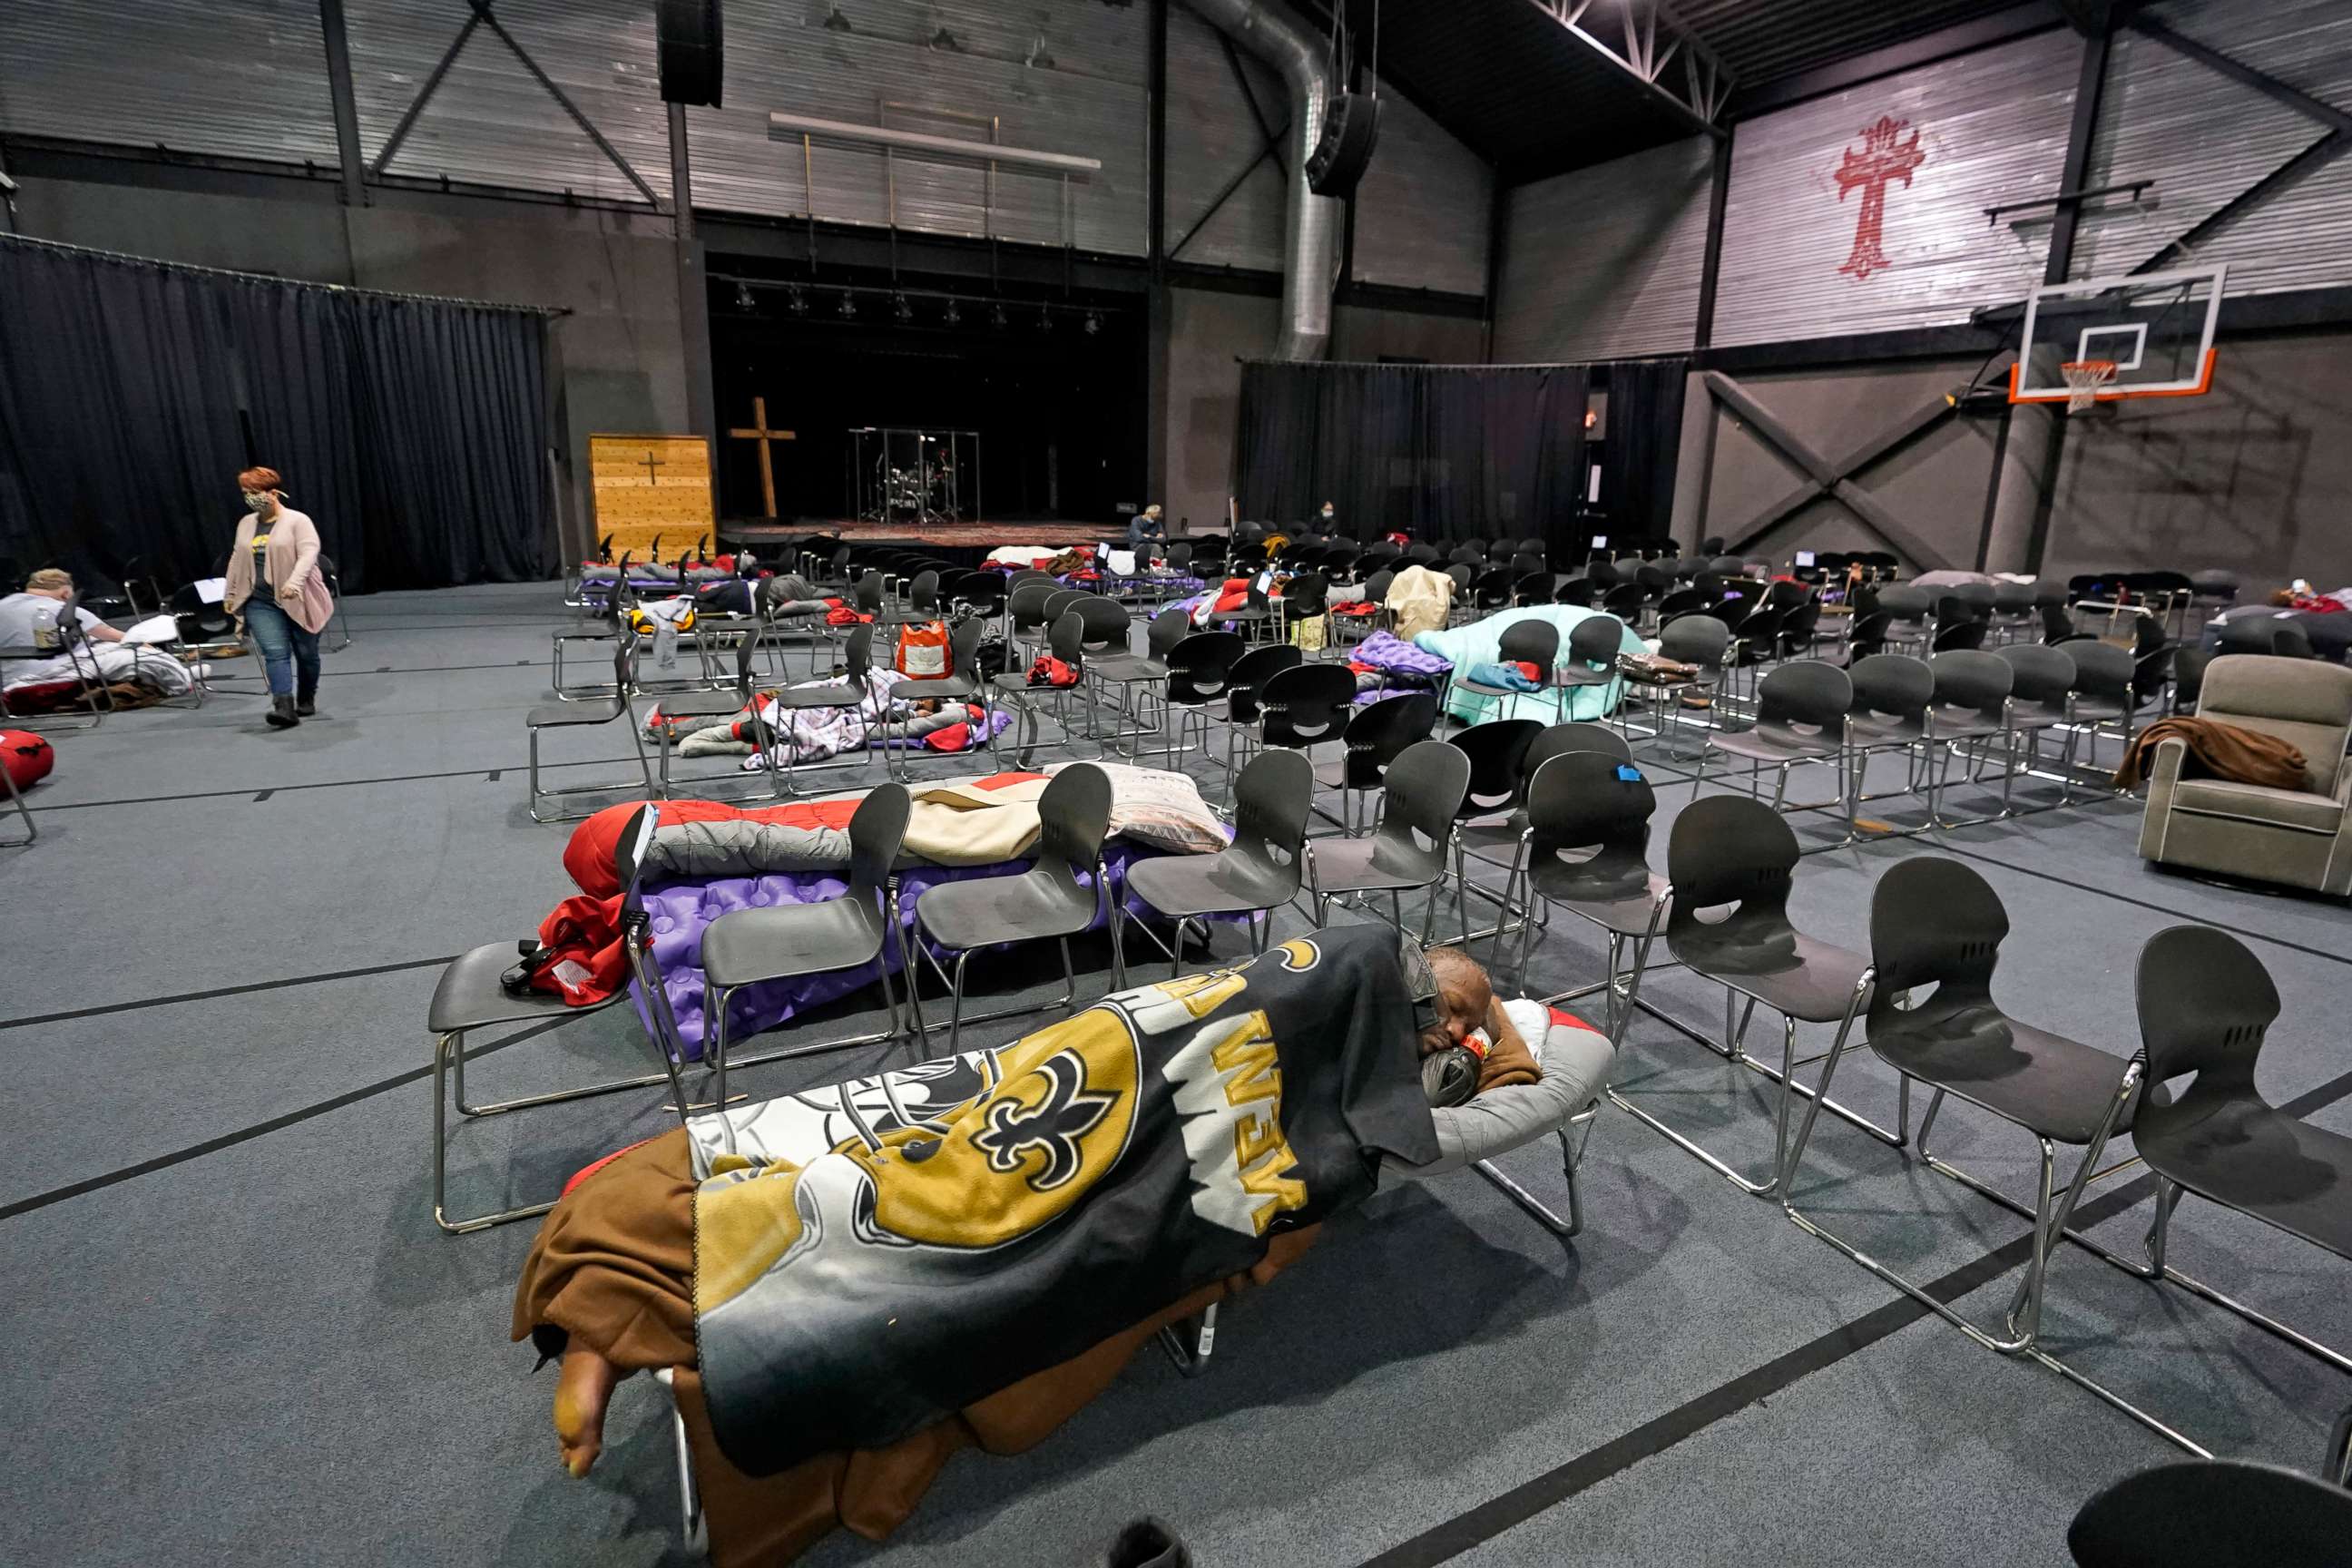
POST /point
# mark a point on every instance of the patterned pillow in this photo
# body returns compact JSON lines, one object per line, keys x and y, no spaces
{"x":1162,"y":809}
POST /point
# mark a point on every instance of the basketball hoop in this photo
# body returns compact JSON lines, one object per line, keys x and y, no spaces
{"x":2084,"y":379}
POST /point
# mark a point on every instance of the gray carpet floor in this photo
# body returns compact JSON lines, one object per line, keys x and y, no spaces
{"x":234,"y":1335}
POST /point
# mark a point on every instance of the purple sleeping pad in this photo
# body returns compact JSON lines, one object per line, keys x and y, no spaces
{"x":680,"y":911}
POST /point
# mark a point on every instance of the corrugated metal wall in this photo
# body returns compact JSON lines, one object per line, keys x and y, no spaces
{"x":1211,"y":137}
{"x":1992,"y":128}
{"x":1606,"y":262}
{"x":1092,"y":100}
{"x":1420,"y":209}
{"x":2204,"y":138}
{"x":244,"y":79}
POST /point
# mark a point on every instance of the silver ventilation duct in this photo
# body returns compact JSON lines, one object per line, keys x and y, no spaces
{"x":1310,"y":246}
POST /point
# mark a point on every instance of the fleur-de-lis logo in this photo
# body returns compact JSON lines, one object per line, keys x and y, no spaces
{"x":1013,"y":1131}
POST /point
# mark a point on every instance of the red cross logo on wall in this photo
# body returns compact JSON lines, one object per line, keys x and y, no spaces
{"x":1882,"y":160}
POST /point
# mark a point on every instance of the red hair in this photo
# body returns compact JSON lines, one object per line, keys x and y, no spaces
{"x":259,"y":480}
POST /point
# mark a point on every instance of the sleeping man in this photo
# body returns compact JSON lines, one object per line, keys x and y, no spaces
{"x":851,"y":1282}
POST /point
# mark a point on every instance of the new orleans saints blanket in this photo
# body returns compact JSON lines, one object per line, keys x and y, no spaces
{"x":871,"y":1256}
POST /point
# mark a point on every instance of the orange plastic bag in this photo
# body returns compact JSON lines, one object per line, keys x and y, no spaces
{"x":923,"y":651}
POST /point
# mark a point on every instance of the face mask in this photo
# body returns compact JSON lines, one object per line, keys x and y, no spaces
{"x":255,"y":498}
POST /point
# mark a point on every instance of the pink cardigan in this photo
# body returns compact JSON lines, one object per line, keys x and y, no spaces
{"x":293,"y":555}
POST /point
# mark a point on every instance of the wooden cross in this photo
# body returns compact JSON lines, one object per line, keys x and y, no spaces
{"x":651,"y":463}
{"x":760,"y":432}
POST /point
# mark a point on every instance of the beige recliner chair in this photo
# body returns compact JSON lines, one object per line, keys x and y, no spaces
{"x":2301,"y":838}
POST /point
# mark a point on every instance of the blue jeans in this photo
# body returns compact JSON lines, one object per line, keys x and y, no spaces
{"x":285,"y":646}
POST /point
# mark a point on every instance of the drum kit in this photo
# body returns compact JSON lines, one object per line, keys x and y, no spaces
{"x":916,"y":476}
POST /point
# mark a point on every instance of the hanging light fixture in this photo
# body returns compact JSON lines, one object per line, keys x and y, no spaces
{"x":996,"y":317}
{"x":1039,"y":57}
{"x":848,"y":305}
{"x":794,"y":301}
{"x":835,"y":22}
{"x":744,"y":301}
{"x":899,"y":308}
{"x":1045,"y":320}
{"x":1094,"y":322}
{"x":952,"y":315}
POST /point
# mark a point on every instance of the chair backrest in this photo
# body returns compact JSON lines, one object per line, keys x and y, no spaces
{"x":1583,"y":800}
{"x":1376,"y":587}
{"x":1904,"y":602}
{"x":1560,"y":740}
{"x":1729,"y":850}
{"x":1066,"y":639}
{"x":1028,"y":575}
{"x":1575,"y":591}
{"x":1933,"y":921}
{"x":1893,"y":684}
{"x":1797,"y":625}
{"x":1072,"y":816}
{"x":877,"y":829}
{"x":984,"y":590}
{"x":1534,"y":588}
{"x":1594,"y":641}
{"x":1783,"y":595}
{"x":2038,"y":673}
{"x":1169,"y":627}
{"x":1603,"y":574}
{"x":858,"y":654}
{"x":2262,"y":634}
{"x":1063,"y":600}
{"x":625,"y":664}
{"x":1977,"y":682}
{"x":1468,"y":554}
{"x":1496,"y":750}
{"x":867,"y":591}
{"x":2102,"y":670}
{"x":1729,"y":566}
{"x":1423,"y":555}
{"x":2213,"y":1513}
{"x":1625,"y":599}
{"x":1424,"y":788}
{"x":1273,"y":794}
{"x":1250,"y":672}
{"x":1960,"y":637}
{"x":1492,"y":590}
{"x":1805,"y":692}
{"x":1694,"y":639}
{"x":963,"y":647}
{"x":1105,"y":623}
{"x":1199,"y":665}
{"x":1535,"y":642}
{"x":1306,"y":704}
{"x":923,"y":593}
{"x":629,"y":851}
{"x":2205,"y":1004}
{"x":1867,"y":636}
{"x":2012,"y":598}
{"x":2303,"y":702}
{"x":1380,"y":731}
{"x":1758,"y":631}
{"x":747,"y":647}
{"x":1307,"y":595}
{"x":1028,"y":604}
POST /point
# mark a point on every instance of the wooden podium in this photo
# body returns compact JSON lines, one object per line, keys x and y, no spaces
{"x":644,"y":486}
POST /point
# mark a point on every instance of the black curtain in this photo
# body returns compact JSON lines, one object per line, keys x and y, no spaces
{"x":413,"y":432}
{"x":1645,"y":435}
{"x":1441,"y":452}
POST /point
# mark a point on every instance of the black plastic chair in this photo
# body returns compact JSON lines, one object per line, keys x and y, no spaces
{"x":1590,"y":801}
{"x":1065,"y":894}
{"x":739,"y":696}
{"x":1971,"y":708}
{"x":471,"y":995}
{"x":2214,"y":1513}
{"x":1064,"y":641}
{"x":848,"y":694}
{"x":586,"y":715}
{"x":2105,"y":694}
{"x":1731,"y":864}
{"x":1535,"y":642}
{"x":1025,"y":613}
{"x":1575,"y":592}
{"x":1801,"y":713}
{"x":1305,"y":706}
{"x":1273,"y":798}
{"x":1247,"y":675}
{"x":1200,"y":667}
{"x":1422,"y":790}
{"x":1593,"y":644}
{"x":783,"y":941}
{"x":1936,"y":923}
{"x":960,"y":684}
{"x":1491,"y":590}
{"x":1692,"y":639}
{"x":1376,"y":735}
{"x":2205,"y":1004}
{"x":2042,"y":684}
{"x":2271,"y":635}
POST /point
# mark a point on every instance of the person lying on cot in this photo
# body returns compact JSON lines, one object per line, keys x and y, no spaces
{"x":945,"y":1201}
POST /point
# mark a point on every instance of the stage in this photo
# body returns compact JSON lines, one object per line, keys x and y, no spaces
{"x":980,"y":536}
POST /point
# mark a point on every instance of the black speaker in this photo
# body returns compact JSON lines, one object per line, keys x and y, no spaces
{"x":692,"y":61}
{"x":1351,"y":123}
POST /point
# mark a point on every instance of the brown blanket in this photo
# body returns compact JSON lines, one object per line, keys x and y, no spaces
{"x":613,"y":1264}
{"x":2217,"y":751}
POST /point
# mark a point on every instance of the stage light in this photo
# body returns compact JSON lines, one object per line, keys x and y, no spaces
{"x":794,"y":301}
{"x":943,"y":39}
{"x":848,"y":305}
{"x":1045,"y":320}
{"x":835,"y":22}
{"x":744,"y":301}
{"x":1094,"y":322}
{"x":952,"y":315}
{"x":996,"y":317}
{"x":902,"y":310}
{"x":1040,"y":58}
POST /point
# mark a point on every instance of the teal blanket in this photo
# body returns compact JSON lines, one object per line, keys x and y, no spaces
{"x":1481,"y":642}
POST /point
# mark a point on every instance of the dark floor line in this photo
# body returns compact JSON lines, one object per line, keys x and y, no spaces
{"x":1444,"y":1542}
{"x":290,"y":983}
{"x":330,"y":784}
{"x":247,"y":1134}
{"x":2145,"y":904}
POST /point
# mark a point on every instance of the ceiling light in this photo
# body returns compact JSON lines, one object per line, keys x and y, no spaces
{"x":996,"y":317}
{"x":794,"y":299}
{"x":848,"y":305}
{"x":744,"y":301}
{"x":835,"y":22}
{"x":943,"y":39}
{"x":952,"y":315}
{"x":1039,"y":57}
{"x":902,"y":310}
{"x":1094,"y":322}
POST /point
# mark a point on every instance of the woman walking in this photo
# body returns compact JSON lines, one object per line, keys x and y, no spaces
{"x":274,"y":584}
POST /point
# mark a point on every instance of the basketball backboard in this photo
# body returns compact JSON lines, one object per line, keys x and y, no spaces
{"x":2156,"y":329}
